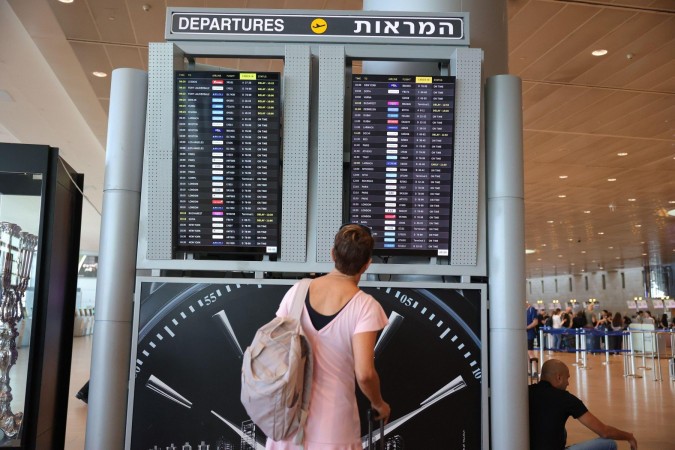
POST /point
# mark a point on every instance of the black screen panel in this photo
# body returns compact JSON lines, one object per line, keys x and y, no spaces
{"x":227,"y":153}
{"x":402,"y":161}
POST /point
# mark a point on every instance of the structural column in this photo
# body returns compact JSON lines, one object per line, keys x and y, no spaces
{"x":109,"y":377}
{"x":506,"y":262}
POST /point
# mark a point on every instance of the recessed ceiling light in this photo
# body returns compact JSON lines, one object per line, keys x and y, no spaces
{"x":99,"y":74}
{"x":562,"y":196}
{"x":601,"y":232}
{"x":583,"y":251}
{"x":529,"y":251}
{"x":644,"y":254}
{"x":549,"y":221}
{"x":560,"y":256}
{"x":562,"y":177}
{"x":538,"y":259}
{"x":638,"y":225}
{"x":66,"y":1}
{"x":631,"y":199}
{"x":599,"y":52}
{"x":601,"y":268}
{"x":671,"y":212}
{"x":572,"y":264}
{"x":611,"y":179}
{"x":587,"y":212}
{"x":622,"y":154}
{"x":672,"y":202}
{"x":611,"y":248}
{"x":617,"y":257}
{"x":543,"y":245}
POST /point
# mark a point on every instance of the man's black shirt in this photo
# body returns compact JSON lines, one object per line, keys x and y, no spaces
{"x":549,"y":409}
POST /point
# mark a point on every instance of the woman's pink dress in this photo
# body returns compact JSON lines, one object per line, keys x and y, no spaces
{"x":333,"y":419}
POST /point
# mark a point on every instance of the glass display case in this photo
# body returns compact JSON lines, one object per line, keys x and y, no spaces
{"x":19,"y":226}
{"x":40,"y":216}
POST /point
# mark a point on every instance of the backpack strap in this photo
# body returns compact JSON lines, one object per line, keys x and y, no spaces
{"x":295,"y":309}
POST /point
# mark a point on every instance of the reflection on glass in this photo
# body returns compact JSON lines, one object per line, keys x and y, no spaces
{"x":19,"y":223}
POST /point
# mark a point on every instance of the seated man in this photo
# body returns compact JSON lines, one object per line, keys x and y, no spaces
{"x":551,"y":405}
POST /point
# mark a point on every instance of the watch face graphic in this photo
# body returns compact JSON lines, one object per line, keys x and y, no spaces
{"x":191,"y":337}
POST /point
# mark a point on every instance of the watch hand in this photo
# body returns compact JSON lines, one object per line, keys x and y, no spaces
{"x":395,"y":321}
{"x":163,"y":389}
{"x":222,"y":319}
{"x":241,"y":434}
{"x":450,"y":388}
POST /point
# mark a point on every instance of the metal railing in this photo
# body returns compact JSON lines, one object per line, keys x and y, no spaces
{"x":637,"y":344}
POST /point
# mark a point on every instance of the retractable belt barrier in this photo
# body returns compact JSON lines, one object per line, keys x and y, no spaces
{"x":634,"y":344}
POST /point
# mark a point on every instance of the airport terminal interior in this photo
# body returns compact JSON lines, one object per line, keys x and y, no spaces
{"x":585,"y":223}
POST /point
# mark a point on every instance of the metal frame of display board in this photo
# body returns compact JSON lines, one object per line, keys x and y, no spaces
{"x":312,"y":163}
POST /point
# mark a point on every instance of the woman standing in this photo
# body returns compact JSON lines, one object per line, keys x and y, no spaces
{"x":341,"y":323}
{"x":617,"y":326}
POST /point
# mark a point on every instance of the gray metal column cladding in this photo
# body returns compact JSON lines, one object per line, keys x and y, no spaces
{"x":297,"y":70}
{"x":329,"y":147}
{"x":109,"y":375}
{"x":506,"y":262}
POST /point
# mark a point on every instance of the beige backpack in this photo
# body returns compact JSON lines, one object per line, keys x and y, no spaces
{"x":276,"y":375}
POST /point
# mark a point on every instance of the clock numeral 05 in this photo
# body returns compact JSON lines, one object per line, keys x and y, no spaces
{"x":405,"y":300}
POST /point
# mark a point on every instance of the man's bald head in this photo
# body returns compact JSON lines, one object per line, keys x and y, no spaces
{"x":555,"y":372}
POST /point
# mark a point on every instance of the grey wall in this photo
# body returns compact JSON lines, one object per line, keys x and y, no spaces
{"x":612,"y":296}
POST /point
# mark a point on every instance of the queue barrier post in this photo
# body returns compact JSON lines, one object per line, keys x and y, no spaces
{"x":584,"y":349}
{"x":632,"y":355}
{"x":541,"y":348}
{"x":656,"y":364}
{"x":625,"y":354}
{"x":577,"y":347}
{"x":644,"y":352}
{"x":606,"y":348}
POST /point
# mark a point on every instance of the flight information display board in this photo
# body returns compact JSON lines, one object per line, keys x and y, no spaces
{"x":402,"y":140}
{"x":226,"y":162}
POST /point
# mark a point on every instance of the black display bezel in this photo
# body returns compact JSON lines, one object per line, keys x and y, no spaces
{"x":406,"y":251}
{"x":235,"y":251}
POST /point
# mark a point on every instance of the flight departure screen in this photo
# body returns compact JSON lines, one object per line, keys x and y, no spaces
{"x":402,"y":161}
{"x":227,"y":144}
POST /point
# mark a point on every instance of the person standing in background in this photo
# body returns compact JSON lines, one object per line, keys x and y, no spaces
{"x":616,"y":341}
{"x":663,"y":323}
{"x":557,"y":325}
{"x":531,"y":325}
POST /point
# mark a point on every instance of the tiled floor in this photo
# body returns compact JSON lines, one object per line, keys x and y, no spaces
{"x":77,"y":410}
{"x":640,"y":405}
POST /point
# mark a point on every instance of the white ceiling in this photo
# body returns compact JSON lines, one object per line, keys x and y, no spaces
{"x":580,"y":111}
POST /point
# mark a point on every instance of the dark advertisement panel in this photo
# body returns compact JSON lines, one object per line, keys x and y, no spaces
{"x":226,"y":163}
{"x":191,"y":338}
{"x":402,"y":143}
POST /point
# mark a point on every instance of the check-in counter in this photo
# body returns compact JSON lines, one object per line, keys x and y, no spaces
{"x":645,"y":338}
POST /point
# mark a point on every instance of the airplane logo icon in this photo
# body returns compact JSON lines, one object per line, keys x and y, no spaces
{"x":319,"y":26}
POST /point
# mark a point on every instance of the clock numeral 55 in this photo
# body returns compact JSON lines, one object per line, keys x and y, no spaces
{"x":212,"y":297}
